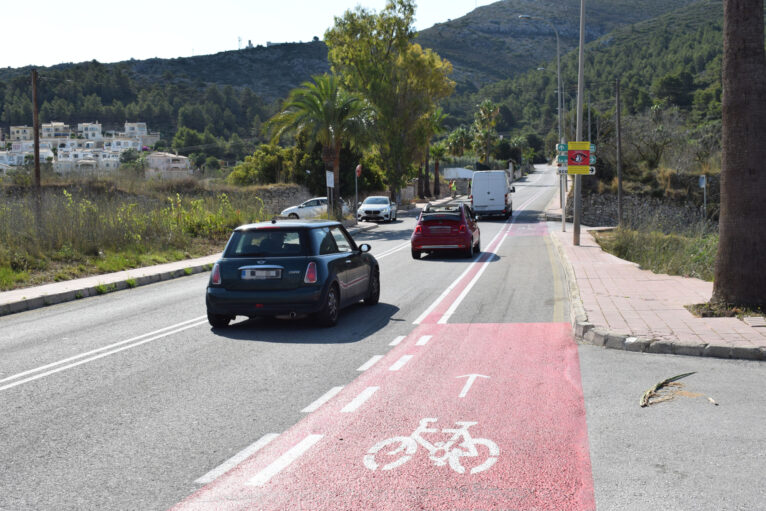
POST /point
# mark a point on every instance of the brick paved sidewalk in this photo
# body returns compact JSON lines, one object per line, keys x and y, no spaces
{"x":618,"y":305}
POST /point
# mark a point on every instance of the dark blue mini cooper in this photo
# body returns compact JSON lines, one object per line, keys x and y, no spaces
{"x":291,"y":268}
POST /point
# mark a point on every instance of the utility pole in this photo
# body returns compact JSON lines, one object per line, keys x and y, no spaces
{"x":619,"y":154}
{"x":580,"y":88}
{"x":36,"y":127}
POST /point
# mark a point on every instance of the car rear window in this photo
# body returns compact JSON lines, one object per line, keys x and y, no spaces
{"x":268,"y":243}
{"x":442,"y":213}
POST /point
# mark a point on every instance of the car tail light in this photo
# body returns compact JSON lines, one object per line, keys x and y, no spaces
{"x":418,"y":229}
{"x":311,"y":273}
{"x":461,"y":228}
{"x":216,"y":278}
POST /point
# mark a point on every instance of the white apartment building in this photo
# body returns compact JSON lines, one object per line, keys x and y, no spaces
{"x":22,"y":133}
{"x":55,"y":131}
{"x":90,"y":130}
{"x":86,"y":160}
{"x":167,"y":166}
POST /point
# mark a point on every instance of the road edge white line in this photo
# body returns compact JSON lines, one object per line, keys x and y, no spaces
{"x":97,"y":350}
{"x":91,"y":359}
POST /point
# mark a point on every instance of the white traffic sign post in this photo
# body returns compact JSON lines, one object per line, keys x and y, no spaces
{"x":330,"y":178}
{"x":703,"y":185}
{"x":356,"y":189}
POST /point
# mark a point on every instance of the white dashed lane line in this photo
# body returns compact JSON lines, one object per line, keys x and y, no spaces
{"x":400,"y":363}
{"x":283,"y":461}
{"x":322,"y":400}
{"x":423,"y":340}
{"x":370,"y":363}
{"x":359,"y":400}
{"x":236,"y":459}
{"x":397,"y":340}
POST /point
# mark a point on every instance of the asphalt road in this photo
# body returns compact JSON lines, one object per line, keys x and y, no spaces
{"x":129,"y":400}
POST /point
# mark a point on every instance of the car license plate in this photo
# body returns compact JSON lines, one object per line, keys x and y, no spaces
{"x":261,"y":274}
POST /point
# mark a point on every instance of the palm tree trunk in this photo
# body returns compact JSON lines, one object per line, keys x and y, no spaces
{"x":420,"y":180}
{"x":740,"y":278}
{"x":338,"y":210}
{"x":426,"y":184}
{"x":437,"y":192}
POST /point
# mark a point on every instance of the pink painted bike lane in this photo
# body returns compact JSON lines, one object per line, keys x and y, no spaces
{"x":455,"y":417}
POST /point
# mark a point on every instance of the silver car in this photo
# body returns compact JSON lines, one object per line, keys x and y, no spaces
{"x":378,"y":208}
{"x":312,"y":208}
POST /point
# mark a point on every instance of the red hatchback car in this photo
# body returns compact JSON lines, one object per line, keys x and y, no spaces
{"x":448,"y":227}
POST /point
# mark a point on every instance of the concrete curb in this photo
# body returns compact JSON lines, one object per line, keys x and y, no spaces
{"x":588,"y":333}
{"x":107,"y":286}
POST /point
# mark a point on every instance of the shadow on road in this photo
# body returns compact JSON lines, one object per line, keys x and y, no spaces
{"x":354,"y":324}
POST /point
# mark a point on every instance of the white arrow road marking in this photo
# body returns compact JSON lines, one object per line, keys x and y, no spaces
{"x":471,"y":379}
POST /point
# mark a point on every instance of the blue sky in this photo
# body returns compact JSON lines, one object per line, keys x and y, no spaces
{"x":50,"y":32}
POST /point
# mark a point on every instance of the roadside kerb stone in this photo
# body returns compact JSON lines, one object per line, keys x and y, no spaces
{"x":105,"y":287}
{"x":108,"y":286}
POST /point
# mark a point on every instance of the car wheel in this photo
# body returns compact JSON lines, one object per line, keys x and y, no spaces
{"x":292,"y":215}
{"x":415,"y":254}
{"x":477,"y":248}
{"x":469,"y":251}
{"x":218,"y":320}
{"x":328,"y":315}
{"x":373,"y":293}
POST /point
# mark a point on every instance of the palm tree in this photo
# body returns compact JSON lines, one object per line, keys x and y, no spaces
{"x":327,"y":114}
{"x":435,"y":126}
{"x":437,"y":150}
{"x":484,"y":127}
{"x":739,"y":275}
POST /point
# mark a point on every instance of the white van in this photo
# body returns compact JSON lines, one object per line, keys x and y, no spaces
{"x":491,"y":193}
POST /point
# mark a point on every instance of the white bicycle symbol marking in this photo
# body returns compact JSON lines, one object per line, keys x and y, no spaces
{"x":440,"y":453}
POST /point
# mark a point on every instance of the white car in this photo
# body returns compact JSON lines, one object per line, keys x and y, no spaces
{"x":378,"y":208}
{"x":311,"y":208}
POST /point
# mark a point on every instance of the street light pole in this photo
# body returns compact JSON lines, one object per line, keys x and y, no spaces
{"x":580,"y":88}
{"x":559,"y":107}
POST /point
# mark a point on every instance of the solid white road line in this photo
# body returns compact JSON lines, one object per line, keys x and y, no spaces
{"x":88,"y":353}
{"x":370,"y":363}
{"x":102,"y":355}
{"x":359,"y":400}
{"x":423,"y":340}
{"x":322,"y":400}
{"x":397,"y":340}
{"x":392,"y":250}
{"x":283,"y":461}
{"x":454,"y":305}
{"x":236,"y":459}
{"x":400,"y":363}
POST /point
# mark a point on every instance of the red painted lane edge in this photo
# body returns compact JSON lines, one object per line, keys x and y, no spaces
{"x":525,"y":423}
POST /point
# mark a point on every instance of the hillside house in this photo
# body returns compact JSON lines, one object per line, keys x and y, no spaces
{"x":167,"y":166}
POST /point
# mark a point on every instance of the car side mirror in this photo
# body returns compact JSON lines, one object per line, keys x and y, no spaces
{"x":513,"y":189}
{"x":365,"y":247}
